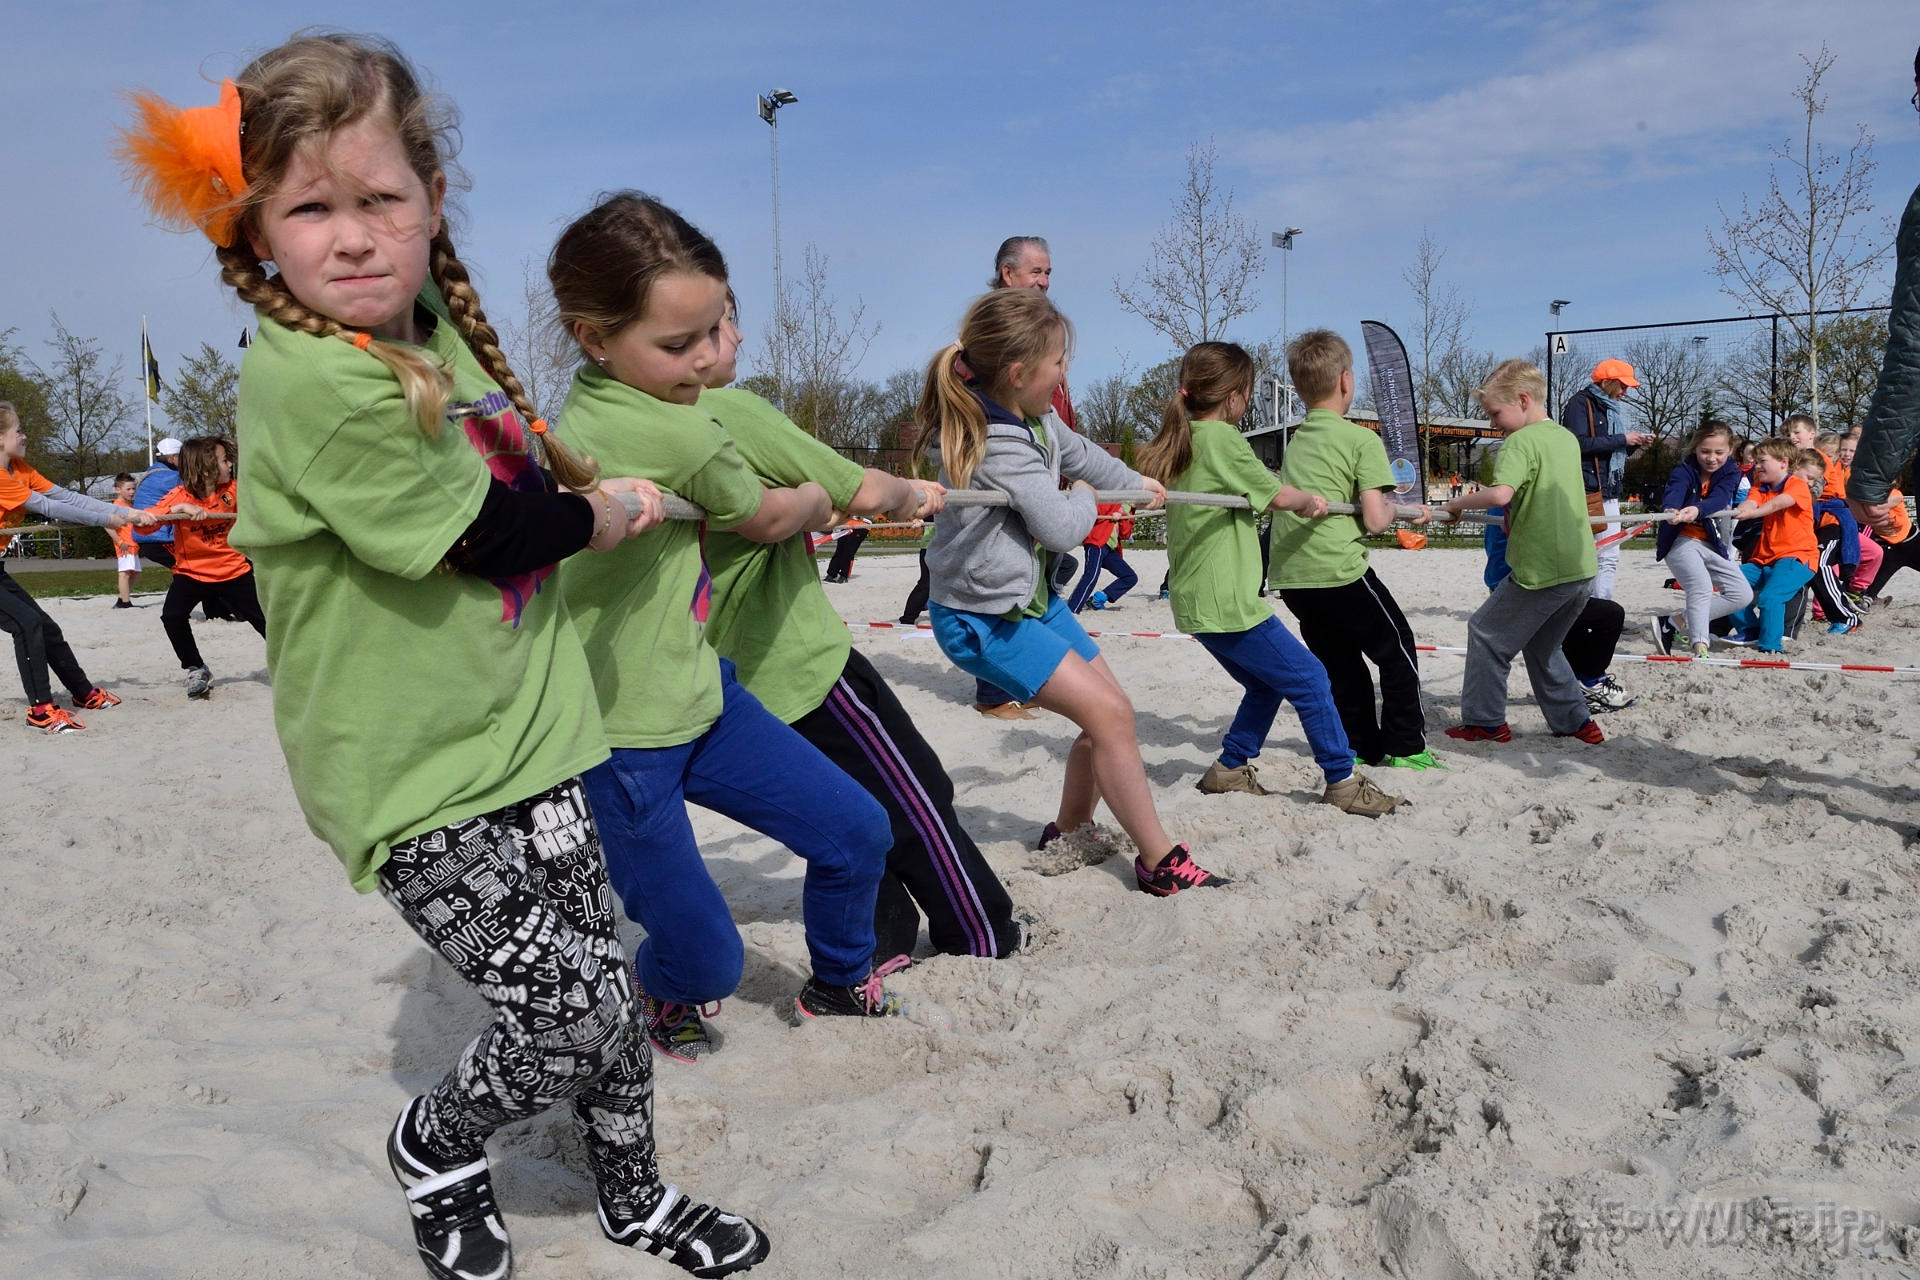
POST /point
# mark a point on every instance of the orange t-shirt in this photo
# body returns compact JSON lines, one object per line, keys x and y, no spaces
{"x":200,"y":549}
{"x":1897,"y":512}
{"x":123,"y":544}
{"x":1694,"y":530}
{"x":1788,"y":535}
{"x":17,"y":483}
{"x":1836,"y":485}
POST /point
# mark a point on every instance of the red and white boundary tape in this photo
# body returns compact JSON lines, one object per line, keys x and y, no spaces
{"x":925,"y":631}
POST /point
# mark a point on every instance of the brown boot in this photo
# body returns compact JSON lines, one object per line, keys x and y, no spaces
{"x":1005,"y":711}
{"x":1357,"y":794}
{"x":1219,"y":780}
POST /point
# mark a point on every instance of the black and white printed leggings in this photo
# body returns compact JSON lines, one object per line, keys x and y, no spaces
{"x":517,"y":900}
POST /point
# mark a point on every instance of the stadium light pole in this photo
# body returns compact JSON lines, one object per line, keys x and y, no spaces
{"x":769,"y":105}
{"x":1555,"y":306}
{"x":1284,"y":240}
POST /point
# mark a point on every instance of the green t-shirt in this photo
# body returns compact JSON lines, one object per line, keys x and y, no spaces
{"x":406,"y":697}
{"x":770,"y":614}
{"x":641,"y":608}
{"x":1549,"y":540}
{"x":1213,"y":553}
{"x":1336,"y":460}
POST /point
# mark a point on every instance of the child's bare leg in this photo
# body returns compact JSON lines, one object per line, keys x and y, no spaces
{"x":1088,"y":695}
{"x":126,"y":584}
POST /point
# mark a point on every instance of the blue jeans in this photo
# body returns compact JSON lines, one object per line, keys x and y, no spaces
{"x":1773,"y":586}
{"x":1098,"y":558}
{"x":1271,"y":665}
{"x":756,"y":770}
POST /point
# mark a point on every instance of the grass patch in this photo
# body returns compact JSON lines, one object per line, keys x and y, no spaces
{"x":93,"y":582}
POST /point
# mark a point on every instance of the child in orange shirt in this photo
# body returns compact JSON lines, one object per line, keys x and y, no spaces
{"x":205,"y":567}
{"x":1785,"y":557}
{"x":126,"y":556}
{"x":38,"y":645}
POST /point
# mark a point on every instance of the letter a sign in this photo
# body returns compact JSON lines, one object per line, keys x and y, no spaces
{"x":1561,"y":346}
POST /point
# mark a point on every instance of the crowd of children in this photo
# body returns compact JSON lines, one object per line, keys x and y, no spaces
{"x":408,"y":515}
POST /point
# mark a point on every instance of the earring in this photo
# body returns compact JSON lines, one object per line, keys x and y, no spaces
{"x":601,"y":361}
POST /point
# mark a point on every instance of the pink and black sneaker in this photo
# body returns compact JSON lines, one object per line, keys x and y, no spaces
{"x":1177,"y":871}
{"x":868,"y":999}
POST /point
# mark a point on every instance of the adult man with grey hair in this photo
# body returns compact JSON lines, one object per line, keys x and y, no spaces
{"x":1024,"y":262}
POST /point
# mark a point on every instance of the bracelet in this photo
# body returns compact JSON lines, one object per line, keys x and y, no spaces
{"x":606,"y":507}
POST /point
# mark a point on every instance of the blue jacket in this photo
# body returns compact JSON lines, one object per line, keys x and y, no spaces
{"x":1603,"y":442}
{"x":1849,"y":527}
{"x":155,"y":485}
{"x":1683,"y":490}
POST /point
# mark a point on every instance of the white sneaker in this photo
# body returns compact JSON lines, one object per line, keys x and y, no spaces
{"x":199,"y":682}
{"x":1607,"y":695}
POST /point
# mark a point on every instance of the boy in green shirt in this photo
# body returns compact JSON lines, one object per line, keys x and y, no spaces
{"x":1346,"y":613}
{"x":1536,"y":477}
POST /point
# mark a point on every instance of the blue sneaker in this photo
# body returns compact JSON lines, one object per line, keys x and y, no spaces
{"x":1841,"y":628}
{"x":1745,"y":639}
{"x":1099,"y":600}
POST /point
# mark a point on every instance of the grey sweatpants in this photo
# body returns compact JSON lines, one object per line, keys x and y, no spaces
{"x":1699,"y":569}
{"x":1513,"y":621}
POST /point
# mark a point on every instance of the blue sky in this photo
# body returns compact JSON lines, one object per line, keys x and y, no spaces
{"x":1575,"y":150}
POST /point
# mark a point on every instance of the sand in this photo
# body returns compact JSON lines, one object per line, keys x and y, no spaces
{"x":1642,"y":1009}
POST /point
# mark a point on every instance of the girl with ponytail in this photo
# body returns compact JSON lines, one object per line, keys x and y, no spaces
{"x":433,"y":700}
{"x":985,"y":418}
{"x":1214,"y":573}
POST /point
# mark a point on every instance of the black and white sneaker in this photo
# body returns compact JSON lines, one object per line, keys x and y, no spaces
{"x":1607,"y":695}
{"x":692,"y":1236}
{"x":456,"y":1223}
{"x":1660,"y":633}
{"x":199,"y":682}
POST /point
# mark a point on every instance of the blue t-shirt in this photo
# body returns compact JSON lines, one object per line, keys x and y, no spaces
{"x":155,"y":485}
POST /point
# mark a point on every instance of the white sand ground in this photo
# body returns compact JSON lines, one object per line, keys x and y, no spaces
{"x":1573,"y":985}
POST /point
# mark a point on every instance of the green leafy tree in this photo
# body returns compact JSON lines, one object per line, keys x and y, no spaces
{"x":22,"y":386}
{"x":201,"y":398}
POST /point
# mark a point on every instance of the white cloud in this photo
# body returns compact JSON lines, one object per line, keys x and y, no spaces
{"x":1689,"y":85}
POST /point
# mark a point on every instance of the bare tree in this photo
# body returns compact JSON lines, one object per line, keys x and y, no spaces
{"x":1460,"y":374}
{"x":1568,"y":372}
{"x":1101,"y":414}
{"x":1439,"y":335}
{"x":203,"y":397}
{"x":541,"y":353}
{"x":1851,"y":349}
{"x":1205,"y":259}
{"x":87,"y":413}
{"x":1804,"y":251}
{"x":813,"y":349}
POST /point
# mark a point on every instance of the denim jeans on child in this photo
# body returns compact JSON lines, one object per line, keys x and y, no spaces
{"x":1273,"y":666}
{"x":756,"y":770}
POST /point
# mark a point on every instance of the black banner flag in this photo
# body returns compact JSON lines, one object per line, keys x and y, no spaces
{"x":1392,"y":379}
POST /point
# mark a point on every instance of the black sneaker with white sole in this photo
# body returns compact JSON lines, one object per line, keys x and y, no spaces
{"x":692,"y":1236}
{"x":456,"y":1223}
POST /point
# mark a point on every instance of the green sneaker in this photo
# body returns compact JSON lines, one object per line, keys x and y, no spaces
{"x":1425,"y":760}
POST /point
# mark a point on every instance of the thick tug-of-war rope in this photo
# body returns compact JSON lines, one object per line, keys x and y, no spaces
{"x":53,"y":526}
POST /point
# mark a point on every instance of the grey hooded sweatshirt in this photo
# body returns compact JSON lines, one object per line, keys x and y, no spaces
{"x":982,"y":559}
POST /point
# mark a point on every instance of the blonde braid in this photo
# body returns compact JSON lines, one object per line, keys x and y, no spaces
{"x":463,"y":304}
{"x":423,"y":382}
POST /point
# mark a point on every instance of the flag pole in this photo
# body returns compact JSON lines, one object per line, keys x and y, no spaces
{"x":146,"y":386}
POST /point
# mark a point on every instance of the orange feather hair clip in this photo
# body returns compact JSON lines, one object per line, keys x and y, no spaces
{"x":186,"y":162}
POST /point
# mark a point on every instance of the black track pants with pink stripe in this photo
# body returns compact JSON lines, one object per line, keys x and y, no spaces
{"x":934,"y":865}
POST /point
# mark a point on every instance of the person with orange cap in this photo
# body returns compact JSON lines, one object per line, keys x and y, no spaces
{"x":1597,"y":416}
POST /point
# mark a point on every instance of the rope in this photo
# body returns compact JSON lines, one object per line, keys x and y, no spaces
{"x":51,"y":526}
{"x":678,"y":508}
{"x":924,"y":631}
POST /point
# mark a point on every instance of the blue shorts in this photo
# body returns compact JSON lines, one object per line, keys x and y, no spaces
{"x":1018,"y":656}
